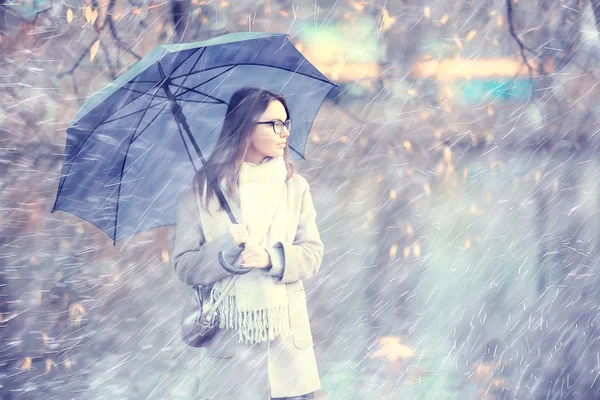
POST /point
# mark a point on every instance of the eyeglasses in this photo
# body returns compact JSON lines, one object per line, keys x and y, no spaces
{"x":278,"y":125}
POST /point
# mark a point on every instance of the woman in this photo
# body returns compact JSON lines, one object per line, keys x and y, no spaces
{"x":263,"y":348}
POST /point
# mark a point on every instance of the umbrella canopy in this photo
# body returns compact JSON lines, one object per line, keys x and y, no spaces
{"x":135,"y":144}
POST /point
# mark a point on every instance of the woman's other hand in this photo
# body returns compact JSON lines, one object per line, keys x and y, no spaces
{"x":254,"y":256}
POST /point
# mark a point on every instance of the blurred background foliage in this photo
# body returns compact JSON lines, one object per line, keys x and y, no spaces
{"x":454,"y":172}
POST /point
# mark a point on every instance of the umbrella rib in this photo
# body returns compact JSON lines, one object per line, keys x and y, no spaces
{"x":258,"y":65}
{"x":147,"y":126}
{"x":179,"y":97}
{"x":133,"y":113}
{"x":297,"y":152}
{"x":218,"y":101}
{"x":133,"y":137}
{"x":188,"y":57}
{"x":156,"y":95}
{"x":154,"y":106}
{"x":206,"y":81}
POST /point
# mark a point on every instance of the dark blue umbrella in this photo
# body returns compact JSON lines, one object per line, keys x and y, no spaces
{"x":135,"y":144}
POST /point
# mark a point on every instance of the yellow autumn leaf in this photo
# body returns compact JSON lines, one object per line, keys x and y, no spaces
{"x":407,"y":145}
{"x":94,"y":49}
{"x":538,"y":175}
{"x":409,"y":230}
{"x":69,"y":16}
{"x":458,"y":42}
{"x":444,"y":19}
{"x":358,"y":6}
{"x":447,"y":154}
{"x":88,"y":13}
{"x":49,"y":365}
{"x":439,"y":168}
{"x":392,"y":194}
{"x":500,"y":20}
{"x":26,"y":365}
{"x":344,"y":139}
{"x":68,"y":363}
{"x":483,"y":370}
{"x":386,"y":20}
{"x":406,"y":252}
{"x":392,"y":349}
{"x":370,"y":215}
{"x":427,"y":189}
{"x":467,"y":244}
{"x":393,"y":251}
{"x":417,"y":250}
{"x":94,"y":16}
{"x":165,"y":255}
{"x":471,"y":35}
{"x":76,"y":311}
{"x":427,"y":12}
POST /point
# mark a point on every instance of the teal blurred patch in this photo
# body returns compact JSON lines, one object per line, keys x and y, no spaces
{"x":356,"y":40}
{"x":475,"y":91}
{"x":29,"y":8}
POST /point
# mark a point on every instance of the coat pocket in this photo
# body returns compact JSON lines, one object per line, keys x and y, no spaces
{"x":299,"y":319}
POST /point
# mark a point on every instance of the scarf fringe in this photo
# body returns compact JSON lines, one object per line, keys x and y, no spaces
{"x":253,"y":326}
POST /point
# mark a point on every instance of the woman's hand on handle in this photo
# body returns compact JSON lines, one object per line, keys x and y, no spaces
{"x":253,"y":255}
{"x":239,"y":233}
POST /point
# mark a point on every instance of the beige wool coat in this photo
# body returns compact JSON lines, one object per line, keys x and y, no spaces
{"x":232,"y":370}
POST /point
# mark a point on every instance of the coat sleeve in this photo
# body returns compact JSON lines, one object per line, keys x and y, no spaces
{"x":194,"y":259}
{"x":302,"y":258}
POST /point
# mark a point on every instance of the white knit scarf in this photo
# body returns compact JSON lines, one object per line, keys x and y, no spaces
{"x":257,"y":306}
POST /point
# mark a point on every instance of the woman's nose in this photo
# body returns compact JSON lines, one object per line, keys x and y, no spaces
{"x":285,"y":132}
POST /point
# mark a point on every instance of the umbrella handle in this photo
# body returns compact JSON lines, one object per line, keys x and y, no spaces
{"x":226,"y":264}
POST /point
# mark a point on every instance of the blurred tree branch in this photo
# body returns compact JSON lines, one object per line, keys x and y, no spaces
{"x":523,"y":48}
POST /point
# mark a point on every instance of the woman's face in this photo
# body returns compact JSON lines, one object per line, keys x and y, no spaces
{"x":264,"y":142}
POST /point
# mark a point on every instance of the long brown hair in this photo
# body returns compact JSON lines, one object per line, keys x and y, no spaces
{"x":226,"y":160}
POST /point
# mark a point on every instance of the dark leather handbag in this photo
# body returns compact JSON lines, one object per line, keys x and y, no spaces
{"x":200,"y":318}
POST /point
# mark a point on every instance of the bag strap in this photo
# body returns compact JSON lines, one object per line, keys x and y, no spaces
{"x":232,"y":279}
